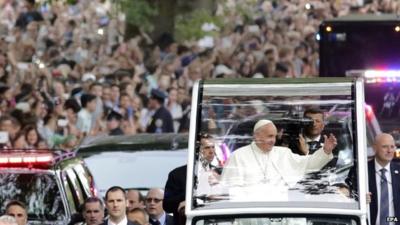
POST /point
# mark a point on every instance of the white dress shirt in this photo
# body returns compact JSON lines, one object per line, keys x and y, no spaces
{"x":124,"y":221}
{"x":388,"y":174}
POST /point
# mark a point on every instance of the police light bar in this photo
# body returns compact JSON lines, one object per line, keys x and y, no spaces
{"x":26,"y":159}
{"x":382,"y":76}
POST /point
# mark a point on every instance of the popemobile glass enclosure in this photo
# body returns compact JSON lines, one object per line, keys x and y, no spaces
{"x":240,"y":183}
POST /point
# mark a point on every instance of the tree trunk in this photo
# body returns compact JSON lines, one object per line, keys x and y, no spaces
{"x":164,"y":22}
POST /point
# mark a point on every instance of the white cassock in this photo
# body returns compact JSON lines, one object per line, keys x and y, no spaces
{"x":251,"y":173}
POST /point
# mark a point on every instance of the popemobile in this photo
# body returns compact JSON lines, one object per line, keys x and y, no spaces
{"x":264,"y":171}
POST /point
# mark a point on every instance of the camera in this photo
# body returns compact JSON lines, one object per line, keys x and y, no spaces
{"x":292,"y":127}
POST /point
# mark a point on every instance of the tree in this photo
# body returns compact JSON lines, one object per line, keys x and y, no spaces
{"x":158,"y":16}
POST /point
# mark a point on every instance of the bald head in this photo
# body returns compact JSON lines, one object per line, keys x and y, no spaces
{"x":154,"y":199}
{"x":265,"y":135}
{"x":135,"y":199}
{"x":384,"y":147}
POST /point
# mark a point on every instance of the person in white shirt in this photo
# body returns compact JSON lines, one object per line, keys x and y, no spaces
{"x":271,"y":170}
{"x":85,"y":115}
{"x":207,"y":170}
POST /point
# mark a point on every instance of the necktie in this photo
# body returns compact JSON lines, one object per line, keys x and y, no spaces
{"x":384,"y":201}
{"x":155,"y":222}
{"x":313,"y":146}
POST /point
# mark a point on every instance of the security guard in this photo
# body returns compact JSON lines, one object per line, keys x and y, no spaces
{"x":161,"y":121}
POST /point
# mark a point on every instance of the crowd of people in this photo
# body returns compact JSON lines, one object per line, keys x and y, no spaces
{"x":67,"y":72}
{"x":123,"y":207}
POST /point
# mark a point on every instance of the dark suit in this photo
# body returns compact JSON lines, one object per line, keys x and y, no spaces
{"x":161,"y":122}
{"x":115,"y":132}
{"x":129,"y":223}
{"x":373,"y":206}
{"x":175,"y":190}
{"x":169,"y":220}
{"x":313,"y":146}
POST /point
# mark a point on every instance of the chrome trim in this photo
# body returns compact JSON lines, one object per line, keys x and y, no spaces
{"x":191,"y":147}
{"x":240,"y":211}
{"x":362,"y":146}
{"x":277,"y":89}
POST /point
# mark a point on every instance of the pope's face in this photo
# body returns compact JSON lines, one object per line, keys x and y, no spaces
{"x":265,"y":137}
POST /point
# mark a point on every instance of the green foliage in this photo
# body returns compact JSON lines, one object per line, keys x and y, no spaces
{"x":72,"y":2}
{"x":188,"y":26}
{"x":138,"y":13}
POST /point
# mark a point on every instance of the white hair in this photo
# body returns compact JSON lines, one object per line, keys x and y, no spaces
{"x":7,"y":220}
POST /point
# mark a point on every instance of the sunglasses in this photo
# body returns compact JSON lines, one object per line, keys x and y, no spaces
{"x":156,"y":200}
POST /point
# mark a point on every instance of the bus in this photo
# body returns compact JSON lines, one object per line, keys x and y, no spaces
{"x":228,"y":109}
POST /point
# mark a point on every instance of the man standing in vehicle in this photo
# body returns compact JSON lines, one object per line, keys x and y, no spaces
{"x":311,"y":140}
{"x":263,"y":164}
{"x":116,"y":206}
{"x":174,"y":197}
{"x":384,"y":183}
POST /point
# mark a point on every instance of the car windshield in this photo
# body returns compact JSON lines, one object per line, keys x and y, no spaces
{"x":39,"y":191}
{"x":134,"y":169}
{"x":243,"y":172}
{"x":276,"y":221}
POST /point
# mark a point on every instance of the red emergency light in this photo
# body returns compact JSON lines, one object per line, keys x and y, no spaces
{"x":369,"y":112}
{"x":28,"y":159}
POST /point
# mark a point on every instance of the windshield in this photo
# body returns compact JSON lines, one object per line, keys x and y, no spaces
{"x":39,"y":191}
{"x":134,"y":168}
{"x":284,"y":161}
{"x":276,"y":221}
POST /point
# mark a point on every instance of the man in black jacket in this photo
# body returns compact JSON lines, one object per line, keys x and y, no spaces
{"x":384,"y":183}
{"x":154,"y":208}
{"x":161,"y":121}
{"x":175,"y":188}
